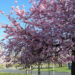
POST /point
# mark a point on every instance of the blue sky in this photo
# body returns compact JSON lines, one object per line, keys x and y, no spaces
{"x":5,"y":5}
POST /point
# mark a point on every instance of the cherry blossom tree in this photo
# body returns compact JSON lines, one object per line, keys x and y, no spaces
{"x":49,"y":30}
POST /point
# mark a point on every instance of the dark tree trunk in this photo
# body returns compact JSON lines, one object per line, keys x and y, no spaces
{"x":73,"y":62}
{"x":38,"y":68}
{"x":73,"y":68}
{"x":41,"y":66}
{"x":60,"y":64}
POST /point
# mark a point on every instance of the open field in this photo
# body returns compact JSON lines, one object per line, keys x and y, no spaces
{"x":11,"y":74}
{"x":57,"y":69}
{"x":43,"y":68}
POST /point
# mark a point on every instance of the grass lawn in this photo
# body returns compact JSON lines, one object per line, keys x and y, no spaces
{"x":58,"y":69}
{"x":11,"y":74}
{"x":1,"y":66}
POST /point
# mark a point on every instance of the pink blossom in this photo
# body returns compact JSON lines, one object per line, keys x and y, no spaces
{"x":52,"y":1}
{"x":32,"y":8}
{"x":30,"y":1}
{"x":42,"y":7}
{"x":1,"y":12}
{"x":43,"y":31}
{"x":23,"y":12}
{"x":34,"y":3}
{"x":23,"y":6}
{"x":17,"y":23}
{"x":17,"y":7}
{"x":12,"y":7}
{"x":11,"y":12}
{"x":18,"y":11}
{"x":16,"y":2}
{"x":27,"y":13}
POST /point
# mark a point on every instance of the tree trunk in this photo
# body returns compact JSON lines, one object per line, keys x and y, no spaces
{"x":38,"y":68}
{"x":60,"y":64}
{"x":48,"y":68}
{"x":41,"y":66}
{"x":73,"y":68}
{"x":31,"y":70}
{"x":73,"y":62}
{"x":26,"y":72}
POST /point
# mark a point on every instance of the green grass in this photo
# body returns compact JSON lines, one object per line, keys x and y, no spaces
{"x":58,"y":69}
{"x":62,"y":69}
{"x":1,"y":66}
{"x":11,"y":74}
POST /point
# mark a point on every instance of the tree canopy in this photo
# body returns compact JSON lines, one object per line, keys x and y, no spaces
{"x":49,"y":29}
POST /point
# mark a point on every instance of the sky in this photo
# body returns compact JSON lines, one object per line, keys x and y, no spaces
{"x":5,"y":5}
